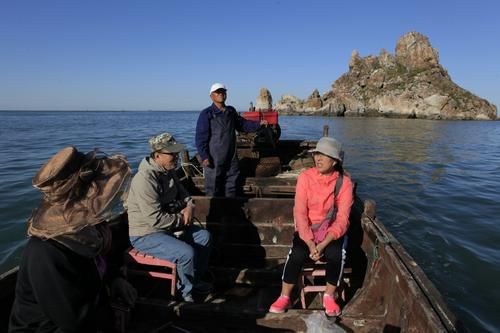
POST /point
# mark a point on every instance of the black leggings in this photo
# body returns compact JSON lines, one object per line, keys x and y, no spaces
{"x":299,"y":255}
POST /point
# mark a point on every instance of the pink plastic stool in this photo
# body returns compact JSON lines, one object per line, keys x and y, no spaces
{"x":316,"y":270}
{"x":141,"y":258}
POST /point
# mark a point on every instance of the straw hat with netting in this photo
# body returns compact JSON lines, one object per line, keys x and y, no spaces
{"x":79,"y":190}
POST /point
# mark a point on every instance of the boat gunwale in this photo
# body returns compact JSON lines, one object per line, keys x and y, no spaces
{"x":427,"y":287}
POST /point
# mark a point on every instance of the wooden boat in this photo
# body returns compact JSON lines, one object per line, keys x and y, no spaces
{"x":384,"y":289}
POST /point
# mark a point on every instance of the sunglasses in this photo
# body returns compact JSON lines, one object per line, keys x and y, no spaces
{"x":171,"y":154}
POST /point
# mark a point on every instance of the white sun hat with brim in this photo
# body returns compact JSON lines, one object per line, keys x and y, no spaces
{"x":329,"y":147}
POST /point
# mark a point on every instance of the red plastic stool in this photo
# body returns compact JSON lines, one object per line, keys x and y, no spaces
{"x":138,"y":257}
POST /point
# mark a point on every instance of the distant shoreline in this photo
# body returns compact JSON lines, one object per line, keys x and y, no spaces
{"x":281,"y":113}
{"x":391,"y":115}
{"x":101,"y":110}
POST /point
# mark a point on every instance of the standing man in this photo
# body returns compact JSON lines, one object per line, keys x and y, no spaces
{"x":216,"y":142}
{"x":160,"y":213}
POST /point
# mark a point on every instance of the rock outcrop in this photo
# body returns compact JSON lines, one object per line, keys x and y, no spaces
{"x":314,"y":101}
{"x":289,"y":104}
{"x":411,"y":84}
{"x":264,"y":100}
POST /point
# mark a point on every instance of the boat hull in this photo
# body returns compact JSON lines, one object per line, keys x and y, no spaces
{"x":383,"y":289}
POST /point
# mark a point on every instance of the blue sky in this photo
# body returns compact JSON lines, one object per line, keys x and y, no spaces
{"x":164,"y":55}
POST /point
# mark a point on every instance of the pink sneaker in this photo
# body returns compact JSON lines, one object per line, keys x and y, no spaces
{"x":332,"y":309}
{"x":280,"y":305}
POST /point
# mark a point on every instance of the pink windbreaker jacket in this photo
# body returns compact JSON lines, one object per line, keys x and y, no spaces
{"x":314,"y":198}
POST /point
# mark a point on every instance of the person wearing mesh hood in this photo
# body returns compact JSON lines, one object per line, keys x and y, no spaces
{"x":160,"y":213}
{"x":70,"y":259}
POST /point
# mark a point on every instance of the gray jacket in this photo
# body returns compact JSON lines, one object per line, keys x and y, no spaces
{"x":151,"y":191}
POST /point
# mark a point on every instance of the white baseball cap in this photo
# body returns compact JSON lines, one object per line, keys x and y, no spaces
{"x":217,"y":86}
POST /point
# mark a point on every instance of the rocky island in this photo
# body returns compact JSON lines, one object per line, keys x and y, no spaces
{"x":409,"y":84}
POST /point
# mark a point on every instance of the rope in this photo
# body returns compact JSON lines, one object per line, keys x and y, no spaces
{"x":290,"y":174}
{"x":197,"y":171}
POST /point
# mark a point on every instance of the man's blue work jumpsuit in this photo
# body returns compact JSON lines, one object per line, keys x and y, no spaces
{"x":216,"y":140}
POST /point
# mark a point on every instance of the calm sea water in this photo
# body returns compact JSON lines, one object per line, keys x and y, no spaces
{"x":436,"y":183}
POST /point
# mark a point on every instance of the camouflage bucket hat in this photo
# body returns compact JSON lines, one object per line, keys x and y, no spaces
{"x":166,"y":143}
{"x":79,"y":190}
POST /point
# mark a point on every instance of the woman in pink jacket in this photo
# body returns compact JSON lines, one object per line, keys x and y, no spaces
{"x":323,"y":200}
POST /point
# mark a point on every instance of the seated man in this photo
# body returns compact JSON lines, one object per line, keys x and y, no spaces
{"x":160,"y":213}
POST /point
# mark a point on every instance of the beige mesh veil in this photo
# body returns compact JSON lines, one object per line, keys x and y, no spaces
{"x":79,"y":190}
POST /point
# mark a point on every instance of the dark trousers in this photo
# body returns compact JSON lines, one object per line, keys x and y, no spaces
{"x":333,"y":255}
{"x":222,"y":180}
